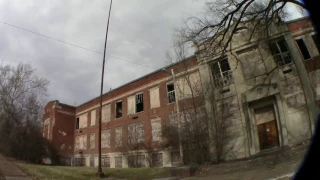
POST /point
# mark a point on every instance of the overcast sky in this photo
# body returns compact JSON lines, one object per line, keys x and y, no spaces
{"x":140,"y":31}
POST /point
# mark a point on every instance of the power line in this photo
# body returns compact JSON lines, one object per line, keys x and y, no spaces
{"x":71,"y":44}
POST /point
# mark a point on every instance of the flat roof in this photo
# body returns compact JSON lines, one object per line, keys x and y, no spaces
{"x":149,"y":74}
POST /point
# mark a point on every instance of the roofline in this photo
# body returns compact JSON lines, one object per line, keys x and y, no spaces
{"x":298,"y":19}
{"x":156,"y":71}
{"x":67,"y":105}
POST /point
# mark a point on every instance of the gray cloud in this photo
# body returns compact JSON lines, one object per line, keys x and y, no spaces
{"x":140,"y":31}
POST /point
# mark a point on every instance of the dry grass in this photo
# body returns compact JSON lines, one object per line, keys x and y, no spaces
{"x":40,"y":172}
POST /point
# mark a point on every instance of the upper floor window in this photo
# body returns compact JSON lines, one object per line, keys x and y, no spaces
{"x":171,"y":93}
{"x":105,"y":139}
{"x":93,"y":118}
{"x":106,"y":111}
{"x":135,"y":103}
{"x":119,"y":109}
{"x":316,"y":42}
{"x":118,"y":137}
{"x":154,"y":98}
{"x":221,"y":72}
{"x":135,"y":133}
{"x":280,"y":52}
{"x":82,"y":121}
{"x":81,"y":142}
{"x":303,"y":49}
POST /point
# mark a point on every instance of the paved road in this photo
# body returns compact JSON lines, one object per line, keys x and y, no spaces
{"x":10,"y":172}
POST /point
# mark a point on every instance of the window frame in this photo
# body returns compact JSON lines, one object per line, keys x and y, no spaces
{"x":136,"y":104}
{"x":282,"y":53}
{"x":229,"y":78}
{"x":174,"y":92}
{"x":301,"y":39}
{"x":153,"y":88}
{"x":116,"y":109}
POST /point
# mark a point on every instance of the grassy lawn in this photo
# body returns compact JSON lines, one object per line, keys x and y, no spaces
{"x":39,"y":172}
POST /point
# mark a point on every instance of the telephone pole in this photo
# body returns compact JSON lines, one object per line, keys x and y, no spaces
{"x":100,"y":173}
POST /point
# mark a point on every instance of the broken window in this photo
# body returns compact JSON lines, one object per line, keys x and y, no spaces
{"x":280,"y":52}
{"x":77,"y":123}
{"x":303,"y":49}
{"x":316,"y":42}
{"x":118,"y":137}
{"x":81,"y":121}
{"x":154,"y":98}
{"x":171,"y":93}
{"x":221,"y":72}
{"x":139,"y":102}
{"x":119,"y":109}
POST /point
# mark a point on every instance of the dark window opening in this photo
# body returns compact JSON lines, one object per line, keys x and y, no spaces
{"x":171,"y":93}
{"x":119,"y":109}
{"x":139,"y":102}
{"x":105,"y":161}
{"x":77,"y":123}
{"x":303,"y":49}
{"x":221,"y":73}
{"x":316,"y":42}
{"x":280,"y":52}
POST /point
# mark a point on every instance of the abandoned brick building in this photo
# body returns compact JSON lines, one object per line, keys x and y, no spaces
{"x":268,"y":111}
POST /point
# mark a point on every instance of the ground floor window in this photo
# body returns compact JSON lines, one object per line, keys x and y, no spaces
{"x":79,"y":161}
{"x":118,"y":162}
{"x":157,"y":160}
{"x":105,"y":161}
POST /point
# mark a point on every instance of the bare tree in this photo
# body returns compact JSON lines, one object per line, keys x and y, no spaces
{"x":196,"y":129}
{"x":21,"y":107}
{"x":225,"y":18}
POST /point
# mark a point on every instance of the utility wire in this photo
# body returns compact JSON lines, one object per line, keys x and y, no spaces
{"x":71,"y":44}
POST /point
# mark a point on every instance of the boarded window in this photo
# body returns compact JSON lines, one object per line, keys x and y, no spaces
{"x":119,"y":109}
{"x":105,"y":161}
{"x":189,"y":85}
{"x":93,"y":117}
{"x":105,"y":139}
{"x":303,"y":49}
{"x":106,"y":113}
{"x":118,"y":162}
{"x":83,"y":121}
{"x":157,"y":160}
{"x":156,"y":129}
{"x":136,"y":133}
{"x":92,"y":140}
{"x":131,"y":105}
{"x":154,"y":98}
{"x":81,"y":142}
{"x":118,"y":137}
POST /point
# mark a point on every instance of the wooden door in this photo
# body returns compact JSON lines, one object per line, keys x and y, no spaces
{"x":267,"y":128}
